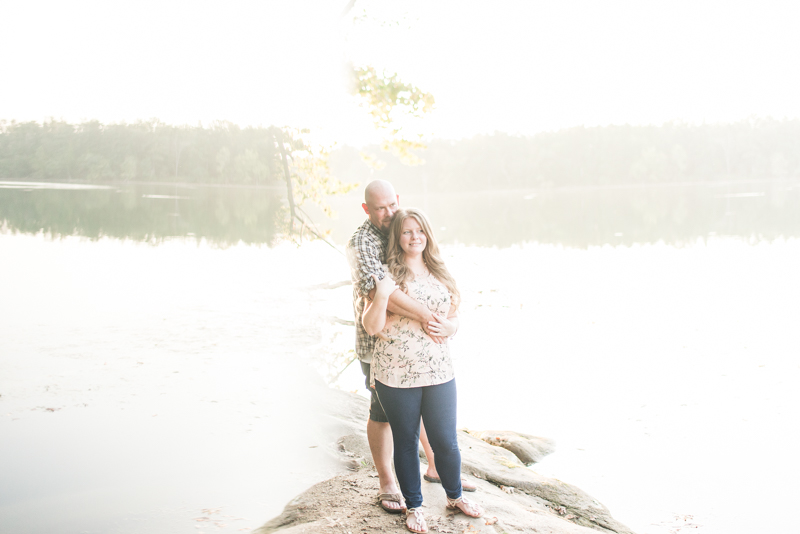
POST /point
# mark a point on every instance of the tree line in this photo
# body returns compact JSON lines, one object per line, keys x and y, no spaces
{"x":224,"y":153}
{"x":144,"y":151}
{"x":758,"y":149}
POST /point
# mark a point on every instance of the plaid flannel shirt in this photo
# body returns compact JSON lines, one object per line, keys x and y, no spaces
{"x":366,"y":254}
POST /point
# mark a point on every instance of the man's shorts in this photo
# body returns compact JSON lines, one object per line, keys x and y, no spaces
{"x":375,"y":409}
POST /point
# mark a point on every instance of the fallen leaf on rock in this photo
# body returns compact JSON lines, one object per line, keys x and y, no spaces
{"x":508,"y":463}
{"x":491,"y":521}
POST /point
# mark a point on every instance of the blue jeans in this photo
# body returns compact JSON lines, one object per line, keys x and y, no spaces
{"x":437,"y":407}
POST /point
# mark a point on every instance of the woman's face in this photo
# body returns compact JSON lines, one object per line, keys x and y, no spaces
{"x":412,"y":237}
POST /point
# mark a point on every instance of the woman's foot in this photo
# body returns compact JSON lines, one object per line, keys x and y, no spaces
{"x":415,"y":521}
{"x":466,"y":506}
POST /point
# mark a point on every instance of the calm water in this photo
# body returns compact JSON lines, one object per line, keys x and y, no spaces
{"x":159,"y":356}
{"x":677,"y":214}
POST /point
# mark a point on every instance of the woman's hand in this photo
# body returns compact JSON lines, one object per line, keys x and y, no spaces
{"x":441,"y":326}
{"x":385,"y":287}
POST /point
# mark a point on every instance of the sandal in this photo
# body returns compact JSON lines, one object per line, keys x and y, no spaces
{"x":415,"y":521}
{"x":467,"y":507}
{"x":391,"y":497}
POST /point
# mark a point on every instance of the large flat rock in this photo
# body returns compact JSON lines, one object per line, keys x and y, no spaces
{"x":529,"y":449}
{"x":516,"y":499}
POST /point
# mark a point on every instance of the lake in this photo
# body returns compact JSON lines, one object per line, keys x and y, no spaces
{"x":162,"y":349}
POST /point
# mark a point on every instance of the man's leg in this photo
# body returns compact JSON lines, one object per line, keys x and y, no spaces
{"x":379,"y":436}
{"x":431,"y":474}
{"x":423,"y":439}
{"x":402,"y":406}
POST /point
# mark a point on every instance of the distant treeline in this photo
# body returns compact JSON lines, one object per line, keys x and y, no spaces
{"x":761,"y":149}
{"x":143,"y":151}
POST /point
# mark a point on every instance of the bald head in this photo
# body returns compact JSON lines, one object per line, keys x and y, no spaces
{"x":380,"y":203}
{"x":378,"y":188}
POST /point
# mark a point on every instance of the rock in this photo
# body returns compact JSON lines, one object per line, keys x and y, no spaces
{"x":347,"y":412}
{"x":502,"y":468}
{"x":516,"y":499}
{"x":348,"y":503}
{"x":356,"y":448}
{"x":529,"y":449}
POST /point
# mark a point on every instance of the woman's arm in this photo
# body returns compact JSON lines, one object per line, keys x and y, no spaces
{"x":374,"y":318}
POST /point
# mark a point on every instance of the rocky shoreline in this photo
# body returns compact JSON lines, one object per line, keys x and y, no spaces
{"x":516,"y":498}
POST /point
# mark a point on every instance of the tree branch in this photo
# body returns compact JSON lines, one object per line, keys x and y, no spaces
{"x":348,"y":7}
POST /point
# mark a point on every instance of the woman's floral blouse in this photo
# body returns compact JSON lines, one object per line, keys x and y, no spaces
{"x":410,"y":358}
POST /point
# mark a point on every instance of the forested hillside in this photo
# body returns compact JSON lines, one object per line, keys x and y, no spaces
{"x":601,"y":156}
{"x":142,"y":151}
{"x":224,"y":153}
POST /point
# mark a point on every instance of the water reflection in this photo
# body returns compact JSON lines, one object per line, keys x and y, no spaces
{"x":675,"y":215}
{"x":582,"y":217}
{"x":573,"y":217}
{"x":221,"y":215}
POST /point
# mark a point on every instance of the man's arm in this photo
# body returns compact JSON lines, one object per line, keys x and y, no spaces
{"x":402,"y":304}
{"x":363,"y":256}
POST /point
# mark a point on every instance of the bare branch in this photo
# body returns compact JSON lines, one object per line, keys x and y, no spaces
{"x":348,"y":7}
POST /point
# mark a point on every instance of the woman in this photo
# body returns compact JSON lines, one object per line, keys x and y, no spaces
{"x":413,"y":375}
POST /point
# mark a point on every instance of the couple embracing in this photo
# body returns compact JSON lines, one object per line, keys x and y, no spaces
{"x":406,"y":304}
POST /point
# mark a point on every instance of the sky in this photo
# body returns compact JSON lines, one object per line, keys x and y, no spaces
{"x":519,"y":67}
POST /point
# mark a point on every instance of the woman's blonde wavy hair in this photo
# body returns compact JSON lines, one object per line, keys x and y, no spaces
{"x":395,"y":257}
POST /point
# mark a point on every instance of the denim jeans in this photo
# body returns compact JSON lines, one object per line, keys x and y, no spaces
{"x":437,"y":407}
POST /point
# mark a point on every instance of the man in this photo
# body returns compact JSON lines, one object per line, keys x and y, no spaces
{"x":366,"y":253}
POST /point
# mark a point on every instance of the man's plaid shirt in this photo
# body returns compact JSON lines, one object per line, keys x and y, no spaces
{"x":366,"y":254}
